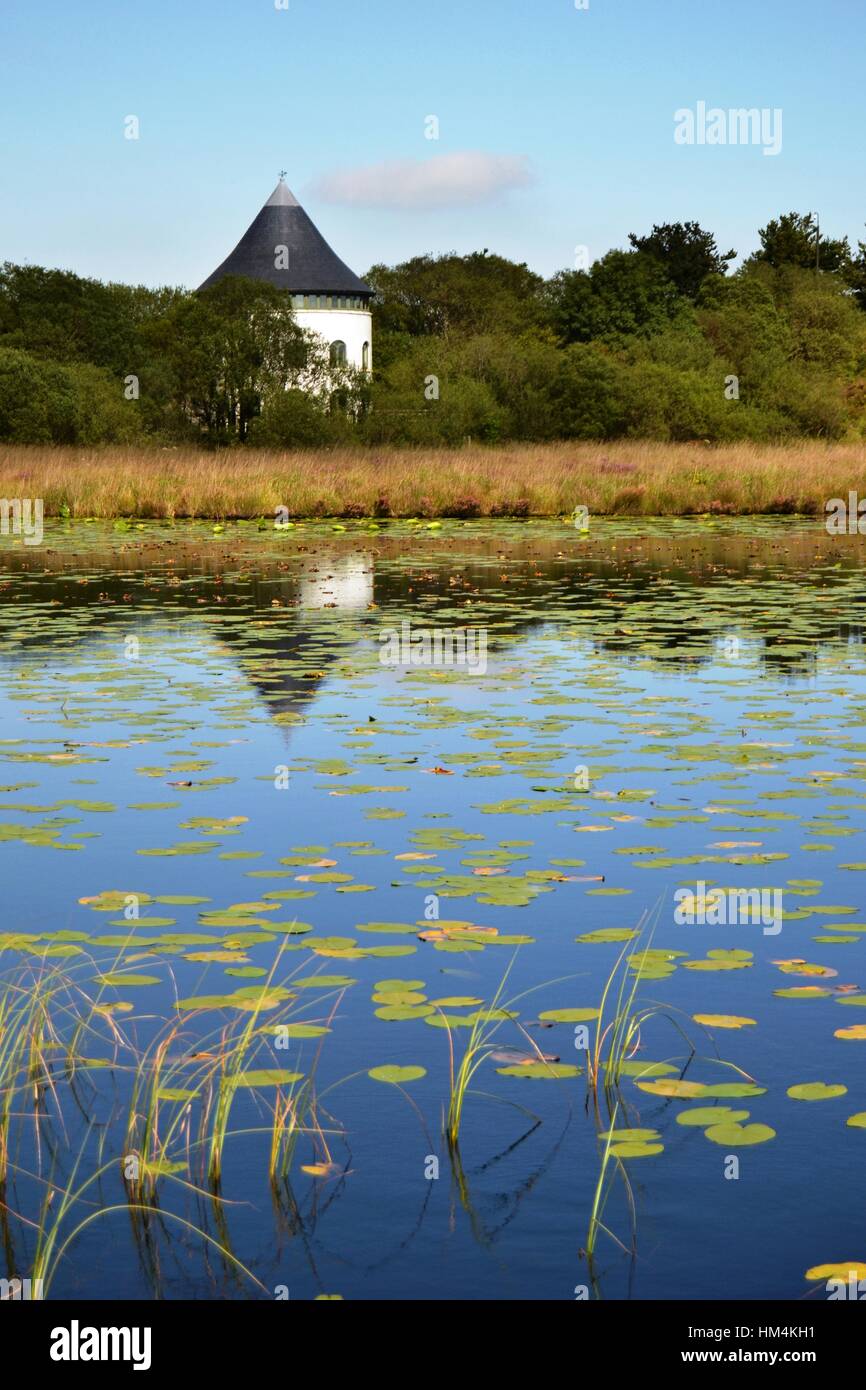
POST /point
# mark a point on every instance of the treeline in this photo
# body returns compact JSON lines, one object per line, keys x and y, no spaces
{"x":660,"y":341}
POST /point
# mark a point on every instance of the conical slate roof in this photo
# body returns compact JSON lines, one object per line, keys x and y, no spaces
{"x":313,"y":268}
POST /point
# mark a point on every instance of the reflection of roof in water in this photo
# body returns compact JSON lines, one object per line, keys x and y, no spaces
{"x":665,"y":598}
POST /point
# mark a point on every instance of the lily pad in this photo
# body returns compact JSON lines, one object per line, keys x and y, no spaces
{"x":541,"y":1071}
{"x":733,"y":1135}
{"x":395,"y":1075}
{"x":816,"y":1090}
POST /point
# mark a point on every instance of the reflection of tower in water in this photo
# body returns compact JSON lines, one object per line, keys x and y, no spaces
{"x":337,"y":581}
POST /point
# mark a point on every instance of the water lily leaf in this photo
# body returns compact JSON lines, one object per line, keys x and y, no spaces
{"x":627,"y":1136}
{"x":568,"y":1015}
{"x":734,"y":1135}
{"x":456,"y":1001}
{"x":606,"y":935}
{"x":122,"y":981}
{"x":400,"y":1013}
{"x":250,"y":999}
{"x":734,"y":1090}
{"x":636,"y":1149}
{"x":802,"y":992}
{"x":395,"y":1075}
{"x":816,"y":1090}
{"x":269,"y":1076}
{"x":161,"y":1167}
{"x":324,"y":982}
{"x":539,"y":1071}
{"x":845,"y":1270}
{"x":723,"y":1020}
{"x":680,"y":1090}
{"x":704,"y":1115}
{"x":641,"y":1068}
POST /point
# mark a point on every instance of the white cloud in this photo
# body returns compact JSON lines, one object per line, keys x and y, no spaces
{"x":444,"y":180}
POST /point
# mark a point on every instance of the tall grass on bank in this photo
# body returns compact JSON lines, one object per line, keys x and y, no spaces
{"x":628,"y":478}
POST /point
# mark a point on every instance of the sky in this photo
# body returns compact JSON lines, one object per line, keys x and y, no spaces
{"x":556,"y":125}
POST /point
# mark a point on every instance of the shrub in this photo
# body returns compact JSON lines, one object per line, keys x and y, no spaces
{"x":54,"y":403}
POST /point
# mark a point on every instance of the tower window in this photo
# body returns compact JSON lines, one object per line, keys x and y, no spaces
{"x":337,"y":354}
{"x":365,"y":357}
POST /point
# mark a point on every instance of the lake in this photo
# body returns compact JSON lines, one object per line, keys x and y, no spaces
{"x":279,"y":810}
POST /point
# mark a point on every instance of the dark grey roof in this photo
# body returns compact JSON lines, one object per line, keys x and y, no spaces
{"x":313,"y":267}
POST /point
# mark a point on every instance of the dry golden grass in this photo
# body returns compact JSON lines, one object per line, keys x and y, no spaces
{"x":628,"y":478}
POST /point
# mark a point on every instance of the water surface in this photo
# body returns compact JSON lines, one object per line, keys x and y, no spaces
{"x":204,"y":714}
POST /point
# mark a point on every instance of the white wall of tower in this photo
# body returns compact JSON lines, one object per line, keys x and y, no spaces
{"x":354,"y":327}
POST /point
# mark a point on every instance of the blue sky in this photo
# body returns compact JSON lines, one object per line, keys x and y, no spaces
{"x":555,"y":125}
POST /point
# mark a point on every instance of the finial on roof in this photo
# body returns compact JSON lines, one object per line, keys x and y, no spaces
{"x":282,"y":196}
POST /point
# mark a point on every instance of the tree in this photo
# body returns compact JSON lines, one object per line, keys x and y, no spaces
{"x":794,"y":239}
{"x":62,"y":403}
{"x":55,"y":314}
{"x":448,"y":295}
{"x":855,"y":275}
{"x":686,"y":252}
{"x":624,"y":293}
{"x":228,"y":347}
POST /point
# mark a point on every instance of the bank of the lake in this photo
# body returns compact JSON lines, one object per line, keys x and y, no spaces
{"x":617,"y":478}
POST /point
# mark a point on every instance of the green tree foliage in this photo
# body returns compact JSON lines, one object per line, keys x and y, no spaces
{"x":624,"y":293}
{"x":661,"y":341}
{"x":60,"y":316}
{"x":225,"y":349}
{"x":685,"y":252}
{"x":855,"y":275}
{"x":61,"y":403}
{"x":794,"y":239}
{"x":447,"y":295}
{"x":295,"y":419}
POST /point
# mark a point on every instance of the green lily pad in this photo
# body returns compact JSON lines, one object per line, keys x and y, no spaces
{"x":270,"y":1076}
{"x":636,"y":1149}
{"x":704,"y":1115}
{"x":816,"y":1090}
{"x":568,"y":1015}
{"x":122,"y":981}
{"x":734,"y":1136}
{"x":395,"y":1075}
{"x":539,"y":1071}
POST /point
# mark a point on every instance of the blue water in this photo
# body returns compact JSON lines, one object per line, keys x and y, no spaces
{"x":719,"y":672}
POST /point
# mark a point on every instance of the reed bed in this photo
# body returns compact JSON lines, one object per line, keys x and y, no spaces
{"x":630,"y":478}
{"x":57,"y":1041}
